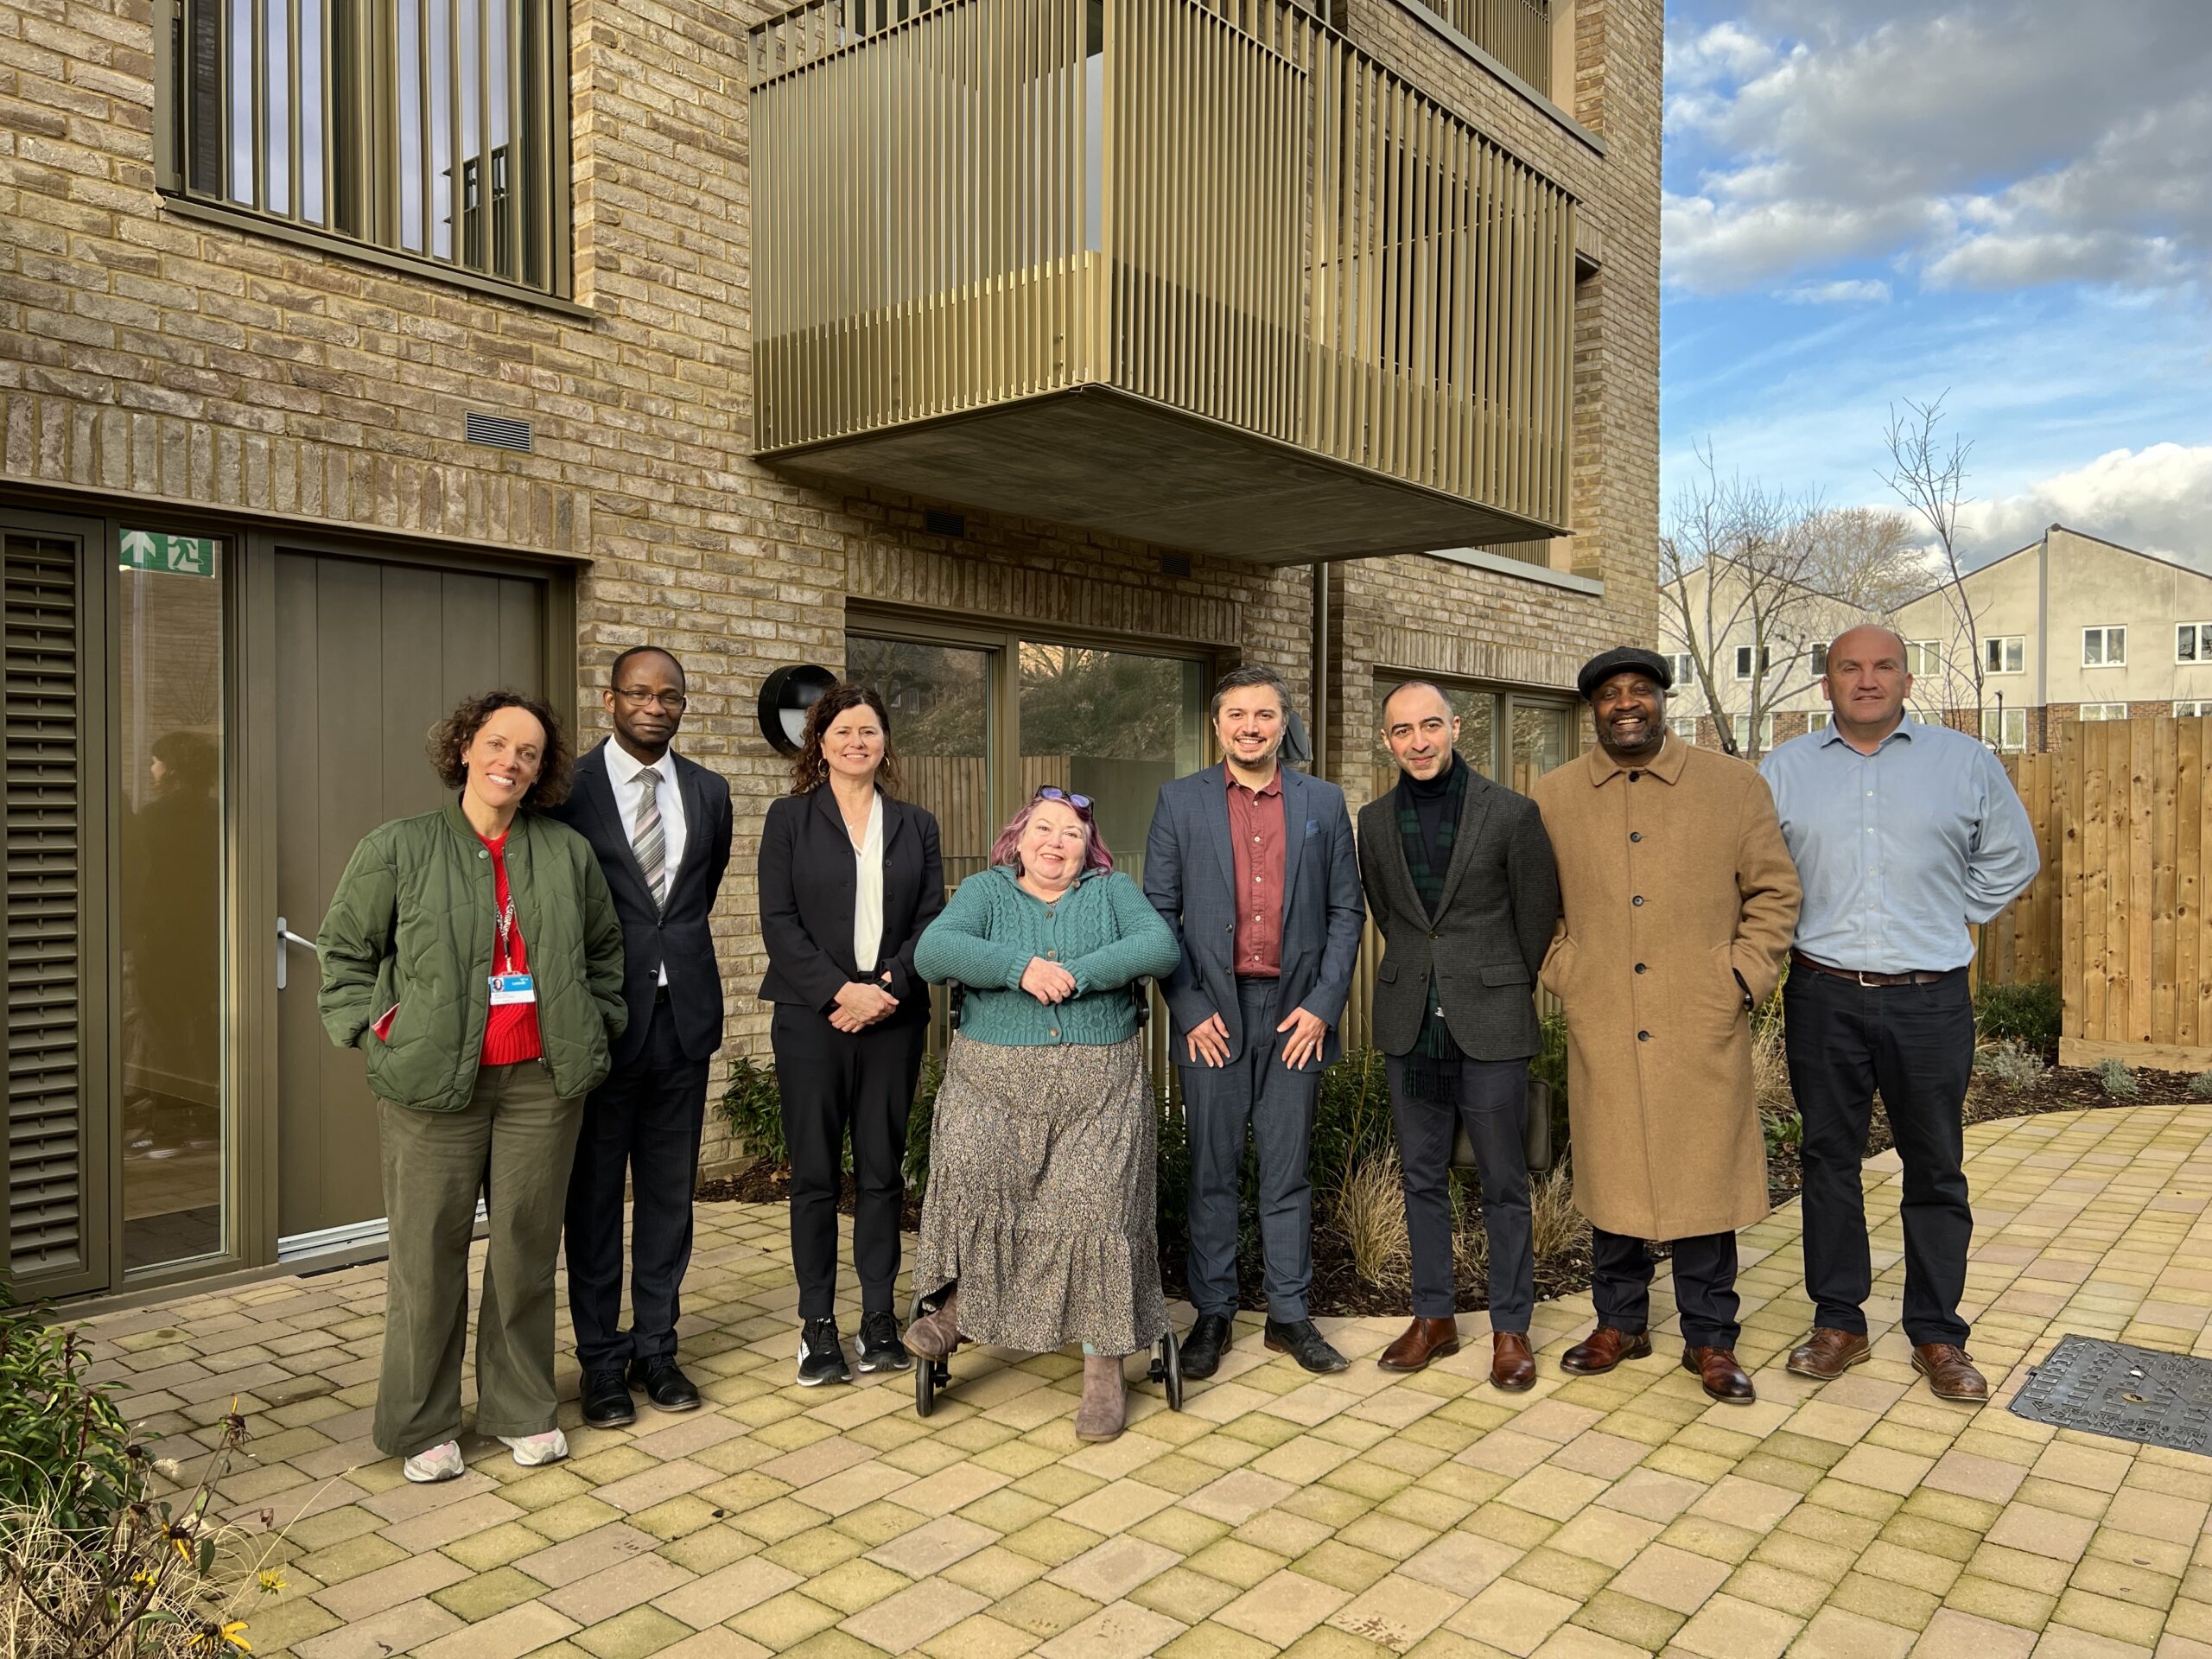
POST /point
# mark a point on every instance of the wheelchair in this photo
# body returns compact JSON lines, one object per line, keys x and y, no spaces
{"x":932,"y":1375}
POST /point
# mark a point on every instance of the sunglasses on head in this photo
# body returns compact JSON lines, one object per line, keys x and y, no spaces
{"x":1054,"y":792}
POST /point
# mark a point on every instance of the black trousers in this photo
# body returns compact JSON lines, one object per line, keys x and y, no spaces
{"x":1491,"y":1097}
{"x":1915,"y":1042}
{"x":835,"y":1083}
{"x":1705,"y":1286}
{"x":640,"y":1127}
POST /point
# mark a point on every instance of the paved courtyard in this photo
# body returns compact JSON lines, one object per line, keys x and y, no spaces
{"x":1357,"y":1516}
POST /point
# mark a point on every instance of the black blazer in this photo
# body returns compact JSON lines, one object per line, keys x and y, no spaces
{"x":808,"y":884}
{"x":1501,"y":898}
{"x":682,"y":936}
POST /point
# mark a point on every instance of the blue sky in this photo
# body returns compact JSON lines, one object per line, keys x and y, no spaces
{"x":2007,"y":202}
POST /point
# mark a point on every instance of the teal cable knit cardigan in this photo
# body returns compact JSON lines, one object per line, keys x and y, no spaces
{"x":1102,"y":930}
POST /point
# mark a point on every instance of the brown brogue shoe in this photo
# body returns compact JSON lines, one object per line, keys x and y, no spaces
{"x":1512,"y":1367}
{"x":1424,"y":1340}
{"x":1602,"y":1349}
{"x":1950,"y":1373}
{"x":1723,"y":1377}
{"x":1828,"y":1353}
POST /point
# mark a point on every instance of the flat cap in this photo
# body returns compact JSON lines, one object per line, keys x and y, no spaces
{"x":1607,"y":664}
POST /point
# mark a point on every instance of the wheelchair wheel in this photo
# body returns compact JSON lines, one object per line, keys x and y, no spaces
{"x":930,"y":1375}
{"x":1168,"y":1369}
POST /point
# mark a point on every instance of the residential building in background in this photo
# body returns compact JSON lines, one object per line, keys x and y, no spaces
{"x":354,"y":358}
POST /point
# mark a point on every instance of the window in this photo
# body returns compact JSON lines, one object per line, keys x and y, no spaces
{"x":434,"y":128}
{"x":1820,"y":660}
{"x":2193,"y":643}
{"x":1766,"y":733}
{"x":1820,"y":719}
{"x":1923,"y":656}
{"x":1743,"y":661}
{"x":2005,"y":728}
{"x":2192,"y":710}
{"x":1509,"y":737}
{"x":1684,"y":726}
{"x":2104,"y":711}
{"x":2005,"y":655}
{"x":2104,"y":648}
{"x":1685,"y":668}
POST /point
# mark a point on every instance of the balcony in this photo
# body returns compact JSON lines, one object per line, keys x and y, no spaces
{"x":1201,"y":274}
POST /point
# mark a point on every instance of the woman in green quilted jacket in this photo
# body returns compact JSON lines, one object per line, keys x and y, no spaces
{"x":473,"y":955}
{"x":1037,"y":1228}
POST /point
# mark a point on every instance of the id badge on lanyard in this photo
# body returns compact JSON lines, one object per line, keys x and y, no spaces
{"x":509,"y":988}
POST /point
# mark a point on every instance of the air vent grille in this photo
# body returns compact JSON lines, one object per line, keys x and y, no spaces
{"x":501,"y":431}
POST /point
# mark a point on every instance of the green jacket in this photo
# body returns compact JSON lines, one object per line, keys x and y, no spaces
{"x":411,"y":924}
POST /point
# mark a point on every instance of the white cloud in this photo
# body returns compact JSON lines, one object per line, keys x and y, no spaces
{"x":2157,"y":499}
{"x":1992,"y":146}
{"x":1860,"y":291}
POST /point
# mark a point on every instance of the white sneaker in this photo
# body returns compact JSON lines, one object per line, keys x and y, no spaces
{"x":532,"y":1450}
{"x":441,"y":1462}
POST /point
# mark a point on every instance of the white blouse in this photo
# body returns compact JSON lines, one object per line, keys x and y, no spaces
{"x":867,"y":896}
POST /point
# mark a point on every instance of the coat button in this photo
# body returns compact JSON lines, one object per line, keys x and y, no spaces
{"x":1638,"y":899}
{"x":1633,"y":776}
{"x":1432,"y":936}
{"x":1056,"y":1030}
{"x":1639,"y":966}
{"x":1641,"y":1036}
{"x":1636,"y":835}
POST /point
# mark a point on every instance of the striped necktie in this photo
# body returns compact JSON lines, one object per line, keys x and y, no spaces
{"x":649,"y":840}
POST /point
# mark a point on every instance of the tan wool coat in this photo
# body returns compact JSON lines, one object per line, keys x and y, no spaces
{"x":1674,"y":883}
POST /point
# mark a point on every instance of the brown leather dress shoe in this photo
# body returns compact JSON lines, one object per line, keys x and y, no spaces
{"x":1950,"y":1373}
{"x":1602,"y":1349}
{"x":1512,"y":1367}
{"x":1723,"y":1377}
{"x":1828,"y":1353}
{"x":1424,"y":1340}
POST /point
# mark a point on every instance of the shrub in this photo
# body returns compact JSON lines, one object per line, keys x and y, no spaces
{"x":1557,"y":1230}
{"x":1771,"y":1065}
{"x":2026,"y":1014}
{"x":1352,"y":1123}
{"x":1548,"y":1066}
{"x":2200,"y":1086}
{"x":66,"y":1459}
{"x":1370,"y":1213}
{"x":753,"y":1108}
{"x":1783,"y":1129}
{"x":2009,"y":1066}
{"x":920,"y":1118}
{"x":2116,"y":1080}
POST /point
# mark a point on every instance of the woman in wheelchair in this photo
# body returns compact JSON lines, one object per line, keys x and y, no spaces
{"x":1038,"y":1227}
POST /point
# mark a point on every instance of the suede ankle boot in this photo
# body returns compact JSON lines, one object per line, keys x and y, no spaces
{"x":1099,"y":1417}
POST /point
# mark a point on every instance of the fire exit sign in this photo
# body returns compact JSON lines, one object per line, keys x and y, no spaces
{"x":182,"y":555}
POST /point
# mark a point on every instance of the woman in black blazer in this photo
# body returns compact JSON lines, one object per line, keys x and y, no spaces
{"x":849,"y":877}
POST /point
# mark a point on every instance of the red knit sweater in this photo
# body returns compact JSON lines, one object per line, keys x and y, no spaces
{"x":511,"y":1031}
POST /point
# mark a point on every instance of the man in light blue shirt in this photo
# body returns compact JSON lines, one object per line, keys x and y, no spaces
{"x":1903,"y":835}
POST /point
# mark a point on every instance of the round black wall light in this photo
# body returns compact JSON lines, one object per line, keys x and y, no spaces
{"x":785,"y":696}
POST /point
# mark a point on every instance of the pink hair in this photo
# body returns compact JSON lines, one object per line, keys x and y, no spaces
{"x":1006,"y":849}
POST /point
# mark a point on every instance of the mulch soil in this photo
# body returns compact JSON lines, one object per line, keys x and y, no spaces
{"x":1338,"y":1289}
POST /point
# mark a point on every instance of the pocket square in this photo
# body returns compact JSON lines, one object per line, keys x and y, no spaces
{"x":1312,"y":826}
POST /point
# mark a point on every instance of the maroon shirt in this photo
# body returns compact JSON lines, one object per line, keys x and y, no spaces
{"x":1256,"y":847}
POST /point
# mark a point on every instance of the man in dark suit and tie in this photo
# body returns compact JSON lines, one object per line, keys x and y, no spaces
{"x":661,"y":827}
{"x":1462,"y":884}
{"x":1252,"y":868}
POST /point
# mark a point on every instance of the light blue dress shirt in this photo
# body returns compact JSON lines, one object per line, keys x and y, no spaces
{"x":1899,"y":850}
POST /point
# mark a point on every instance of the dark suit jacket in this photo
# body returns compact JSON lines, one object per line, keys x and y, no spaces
{"x":682,"y":936}
{"x":1190,"y":877}
{"x":1501,"y":898}
{"x":808,"y":886}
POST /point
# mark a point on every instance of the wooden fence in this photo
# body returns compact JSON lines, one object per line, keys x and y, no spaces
{"x":2022,"y":945}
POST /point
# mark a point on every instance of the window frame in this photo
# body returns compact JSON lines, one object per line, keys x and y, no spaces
{"x":1684,"y":665}
{"x":2199,"y":709}
{"x":1930,"y":652}
{"x":2107,"y":711}
{"x":1820,"y":719}
{"x":2005,"y":719}
{"x":1743,"y":662}
{"x":2105,"y":631}
{"x":2200,"y":643}
{"x":557,"y":241}
{"x":1996,"y":648}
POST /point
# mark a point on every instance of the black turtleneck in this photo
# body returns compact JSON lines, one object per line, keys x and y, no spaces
{"x":1429,"y":798}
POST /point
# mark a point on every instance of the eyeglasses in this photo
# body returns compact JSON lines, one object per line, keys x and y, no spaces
{"x":1054,"y":792}
{"x":638,"y":697}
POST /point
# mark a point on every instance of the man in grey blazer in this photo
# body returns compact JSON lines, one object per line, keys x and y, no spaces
{"x":1460,"y":876}
{"x":1253,"y":867}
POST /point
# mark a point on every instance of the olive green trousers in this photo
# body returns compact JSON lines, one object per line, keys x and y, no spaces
{"x":512,"y":1144}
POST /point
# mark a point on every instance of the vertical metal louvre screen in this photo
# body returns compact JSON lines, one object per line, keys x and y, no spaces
{"x":1221,"y":206}
{"x":46,"y":1140}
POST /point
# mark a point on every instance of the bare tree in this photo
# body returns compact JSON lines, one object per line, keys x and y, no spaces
{"x":1929,"y":475}
{"x":1753,"y":578}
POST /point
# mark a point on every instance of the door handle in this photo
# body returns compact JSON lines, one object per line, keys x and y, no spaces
{"x":284,"y":937}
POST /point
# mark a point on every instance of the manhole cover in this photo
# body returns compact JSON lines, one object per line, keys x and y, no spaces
{"x":2131,"y":1394}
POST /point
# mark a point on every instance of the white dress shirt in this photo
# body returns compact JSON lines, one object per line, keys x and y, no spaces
{"x":623,"y":771}
{"x":867,"y":892}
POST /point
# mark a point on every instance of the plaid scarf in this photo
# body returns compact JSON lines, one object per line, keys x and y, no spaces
{"x":1434,"y":1043}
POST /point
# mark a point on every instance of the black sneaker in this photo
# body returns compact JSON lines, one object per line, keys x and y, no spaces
{"x":821,"y":1354}
{"x":880,"y":1349}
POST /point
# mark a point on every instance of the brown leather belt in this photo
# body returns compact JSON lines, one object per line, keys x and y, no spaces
{"x":1856,"y":978}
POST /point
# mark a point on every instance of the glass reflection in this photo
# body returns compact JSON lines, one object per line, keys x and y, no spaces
{"x":939,"y":702}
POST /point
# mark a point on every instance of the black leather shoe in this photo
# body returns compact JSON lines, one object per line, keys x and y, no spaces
{"x":1302,"y":1340}
{"x":607,"y":1402}
{"x":665,"y":1383}
{"x":1201,"y":1352}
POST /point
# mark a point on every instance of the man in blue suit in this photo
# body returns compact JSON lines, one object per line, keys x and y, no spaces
{"x":1253,"y":867}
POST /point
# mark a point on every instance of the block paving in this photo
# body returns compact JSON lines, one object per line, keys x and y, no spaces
{"x":1358,"y":1514}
